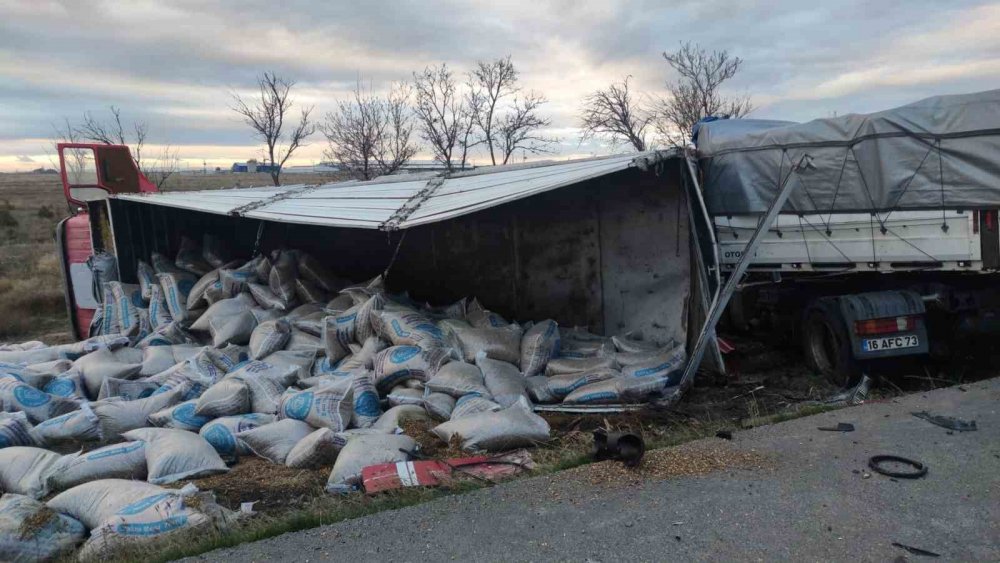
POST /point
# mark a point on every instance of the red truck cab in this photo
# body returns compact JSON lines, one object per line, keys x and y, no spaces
{"x":90,"y":173}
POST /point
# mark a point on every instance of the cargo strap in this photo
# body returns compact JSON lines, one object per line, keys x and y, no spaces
{"x":254,"y":205}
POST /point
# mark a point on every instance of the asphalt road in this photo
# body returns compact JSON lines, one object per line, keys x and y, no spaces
{"x":815,"y":503}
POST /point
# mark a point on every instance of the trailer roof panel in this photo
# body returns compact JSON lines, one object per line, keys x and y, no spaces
{"x":400,"y":202}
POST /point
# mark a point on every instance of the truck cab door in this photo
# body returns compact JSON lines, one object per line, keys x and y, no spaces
{"x":90,"y":173}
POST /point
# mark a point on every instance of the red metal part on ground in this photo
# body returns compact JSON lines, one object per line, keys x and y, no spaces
{"x":724,"y":346}
{"x":430,"y":473}
{"x":78,"y":249}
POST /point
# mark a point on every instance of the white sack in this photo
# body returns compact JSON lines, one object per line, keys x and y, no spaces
{"x":226,"y":398}
{"x":396,"y":364}
{"x":172,"y":455}
{"x":503,"y":380}
{"x":328,"y":406}
{"x":363,"y":451}
{"x":102,"y":364}
{"x":562,"y":366}
{"x":269,"y":337}
{"x":473,"y":404}
{"x":25,"y":470}
{"x":274,"y":441}
{"x":439,"y":405}
{"x":39,"y":406}
{"x":318,"y":449}
{"x":539,"y":345}
{"x":180,"y":417}
{"x":78,"y":426}
{"x":126,"y":460}
{"x":514,"y":427}
{"x":366,"y":408}
{"x":118,"y":417}
{"x":68,"y":385}
{"x":394,"y":417}
{"x":502,"y":343}
{"x":54,"y":537}
{"x":221,"y":432}
{"x":458,"y":379}
{"x":15,"y":430}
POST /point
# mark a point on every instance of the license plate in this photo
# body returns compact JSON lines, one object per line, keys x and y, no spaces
{"x":890,"y":343}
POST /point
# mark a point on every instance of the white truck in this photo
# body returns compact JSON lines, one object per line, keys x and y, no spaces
{"x":888,"y":244}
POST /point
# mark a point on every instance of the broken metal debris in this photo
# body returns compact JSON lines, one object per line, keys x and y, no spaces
{"x":840,"y":427}
{"x":621,"y":446}
{"x":949,"y":422}
{"x":436,"y":472}
{"x":916,"y":550}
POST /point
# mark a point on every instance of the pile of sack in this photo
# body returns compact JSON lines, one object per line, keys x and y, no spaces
{"x":209,"y":359}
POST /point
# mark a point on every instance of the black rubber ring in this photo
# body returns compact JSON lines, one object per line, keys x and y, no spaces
{"x":875,"y":460}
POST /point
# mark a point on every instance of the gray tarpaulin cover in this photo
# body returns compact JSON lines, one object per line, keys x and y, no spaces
{"x":941,"y":152}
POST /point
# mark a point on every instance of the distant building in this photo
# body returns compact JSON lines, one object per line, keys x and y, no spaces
{"x":322,"y":168}
{"x":427,"y":166}
{"x":253,"y":167}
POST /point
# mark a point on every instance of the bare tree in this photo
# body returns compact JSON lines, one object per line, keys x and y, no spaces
{"x":696,"y":94}
{"x":506,"y":129}
{"x":370,"y":135}
{"x":446,"y":116}
{"x":494,"y":80}
{"x":617,"y":116}
{"x":160,"y":169}
{"x":75,"y":159}
{"x":266,"y":115}
{"x":518,"y":128}
{"x":115,"y":132}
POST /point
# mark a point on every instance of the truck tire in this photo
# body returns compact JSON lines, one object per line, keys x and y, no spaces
{"x":827,"y":346}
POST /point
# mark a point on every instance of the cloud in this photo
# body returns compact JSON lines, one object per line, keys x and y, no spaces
{"x":173,"y":64}
{"x":24,"y":158}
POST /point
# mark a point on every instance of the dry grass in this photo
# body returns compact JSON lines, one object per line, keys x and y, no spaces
{"x":32,"y":306}
{"x":36,"y":522}
{"x":31,"y":294}
{"x":273,"y":488}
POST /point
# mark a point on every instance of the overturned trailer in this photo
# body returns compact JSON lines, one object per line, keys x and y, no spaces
{"x":605,"y":243}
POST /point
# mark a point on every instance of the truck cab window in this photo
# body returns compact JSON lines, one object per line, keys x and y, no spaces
{"x":81,"y":174}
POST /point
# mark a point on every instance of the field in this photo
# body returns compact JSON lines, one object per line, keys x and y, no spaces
{"x":32,"y":306}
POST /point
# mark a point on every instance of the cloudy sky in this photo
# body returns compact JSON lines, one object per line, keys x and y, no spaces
{"x":173,"y":63}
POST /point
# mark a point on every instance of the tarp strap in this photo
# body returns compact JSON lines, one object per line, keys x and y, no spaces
{"x":395,"y":253}
{"x":909,"y":181}
{"x":944,"y":220}
{"x":871,"y":200}
{"x":836,"y":192}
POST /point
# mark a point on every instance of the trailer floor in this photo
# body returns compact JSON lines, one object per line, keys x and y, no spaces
{"x":788,"y":491}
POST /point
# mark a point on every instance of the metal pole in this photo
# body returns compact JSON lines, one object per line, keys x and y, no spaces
{"x":722,"y":299}
{"x":692,"y":193}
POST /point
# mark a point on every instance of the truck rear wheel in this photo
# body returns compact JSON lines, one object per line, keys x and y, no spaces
{"x":827,"y":346}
